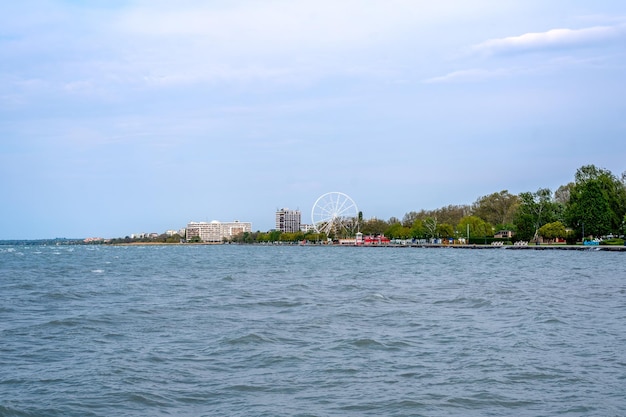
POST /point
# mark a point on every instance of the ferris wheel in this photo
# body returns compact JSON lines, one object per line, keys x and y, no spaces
{"x":335,"y":213}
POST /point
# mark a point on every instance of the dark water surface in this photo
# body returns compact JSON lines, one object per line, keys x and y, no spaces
{"x":310,"y":331}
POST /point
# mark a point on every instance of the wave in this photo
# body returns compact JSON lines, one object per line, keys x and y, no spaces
{"x":14,"y":412}
{"x":250,"y":339}
{"x":182,"y":331}
{"x":470,"y":302}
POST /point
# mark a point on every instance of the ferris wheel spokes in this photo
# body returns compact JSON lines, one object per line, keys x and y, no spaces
{"x":334,"y":213}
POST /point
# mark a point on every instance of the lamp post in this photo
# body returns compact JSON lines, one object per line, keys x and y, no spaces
{"x":582,"y":239}
{"x":583,"y":232}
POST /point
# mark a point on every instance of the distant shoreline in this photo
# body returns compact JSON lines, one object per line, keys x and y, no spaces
{"x":393,"y":246}
{"x":529,"y":247}
{"x":606,"y":248}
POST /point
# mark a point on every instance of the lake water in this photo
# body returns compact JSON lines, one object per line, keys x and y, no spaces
{"x":310,"y":331}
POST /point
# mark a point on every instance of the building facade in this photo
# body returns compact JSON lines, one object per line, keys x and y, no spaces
{"x":504,"y":234}
{"x":216,"y":232}
{"x":307,"y":228}
{"x":288,"y":220}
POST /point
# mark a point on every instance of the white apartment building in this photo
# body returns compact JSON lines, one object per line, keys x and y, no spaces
{"x":307,"y":228}
{"x":216,"y":232}
{"x":288,"y":220}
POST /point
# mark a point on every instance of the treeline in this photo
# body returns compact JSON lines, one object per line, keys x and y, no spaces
{"x":593,"y":205}
{"x":162,"y":238}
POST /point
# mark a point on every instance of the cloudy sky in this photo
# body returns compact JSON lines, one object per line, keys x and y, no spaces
{"x":128,"y":116}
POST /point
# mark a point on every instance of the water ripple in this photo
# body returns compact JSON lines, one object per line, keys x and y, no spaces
{"x":316,"y":331}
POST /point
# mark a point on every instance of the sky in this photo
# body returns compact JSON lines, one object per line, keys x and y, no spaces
{"x":130,"y":116}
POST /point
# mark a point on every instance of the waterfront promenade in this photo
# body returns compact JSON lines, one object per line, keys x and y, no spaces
{"x":511,"y":247}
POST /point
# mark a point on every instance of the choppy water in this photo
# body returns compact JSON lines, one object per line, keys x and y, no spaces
{"x":310,"y":331}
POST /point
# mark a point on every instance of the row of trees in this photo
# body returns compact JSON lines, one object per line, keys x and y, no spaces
{"x":162,"y":238}
{"x":594,"y":204}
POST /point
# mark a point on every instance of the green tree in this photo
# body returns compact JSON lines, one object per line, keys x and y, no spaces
{"x":397,"y":231}
{"x":451,"y":214}
{"x":374,"y":227}
{"x":430,"y":227}
{"x":274,"y":235}
{"x":417,"y":229}
{"x":175,"y":238}
{"x":478,"y":228}
{"x":445,"y":230}
{"x":288,"y":237}
{"x":244,"y":237}
{"x":497,"y":208}
{"x":589,"y":209}
{"x":597,"y":201}
{"x":312,"y":236}
{"x":553,"y":230}
{"x":535,"y":210}
{"x":263,"y":237}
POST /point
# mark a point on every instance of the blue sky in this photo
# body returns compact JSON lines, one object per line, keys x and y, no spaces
{"x":120,"y":117}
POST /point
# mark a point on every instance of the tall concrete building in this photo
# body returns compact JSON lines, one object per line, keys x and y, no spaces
{"x":216,"y":232}
{"x":288,"y":220}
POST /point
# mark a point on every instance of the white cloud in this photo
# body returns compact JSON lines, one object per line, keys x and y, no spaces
{"x":548,"y":66}
{"x":565,"y":41}
{"x":159,"y":44}
{"x":555,"y":38}
{"x":470,"y":75}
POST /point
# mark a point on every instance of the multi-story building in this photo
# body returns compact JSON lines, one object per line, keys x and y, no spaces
{"x":216,"y":232}
{"x":288,"y":220}
{"x":307,"y":228}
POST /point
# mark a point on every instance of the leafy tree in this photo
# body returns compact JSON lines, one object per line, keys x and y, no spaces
{"x":451,"y":214}
{"x":274,"y":235}
{"x":562,"y":194}
{"x":397,"y":231}
{"x":409,"y":218}
{"x":496,"y":208}
{"x":263,"y":237}
{"x":417,"y":229}
{"x":477,"y":227}
{"x":430,"y":226}
{"x":445,"y":230}
{"x":175,"y":238}
{"x":374,"y":227}
{"x":244,"y":237}
{"x":507,"y":226}
{"x":393,"y":220}
{"x":535,"y":210}
{"x":590,"y":210}
{"x":597,"y":201}
{"x":553,"y":230}
{"x":291,"y":236}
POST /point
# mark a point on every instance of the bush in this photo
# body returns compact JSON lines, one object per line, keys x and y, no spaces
{"x":613,"y":242}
